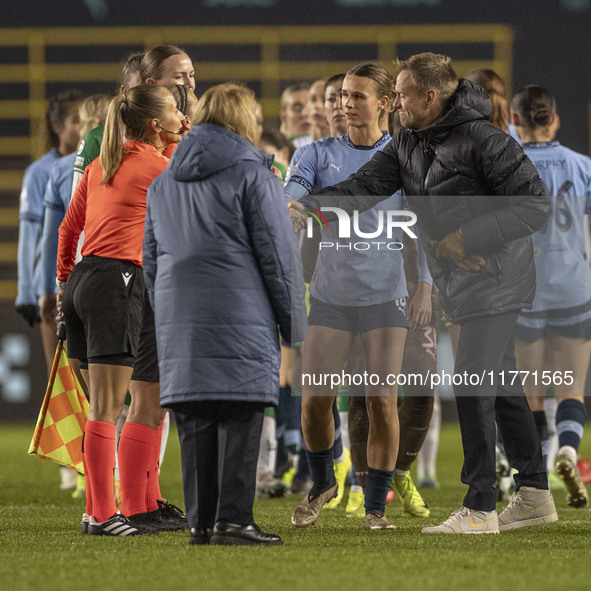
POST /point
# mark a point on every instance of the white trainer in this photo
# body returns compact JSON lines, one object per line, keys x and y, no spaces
{"x":466,"y":521}
{"x":528,"y":507}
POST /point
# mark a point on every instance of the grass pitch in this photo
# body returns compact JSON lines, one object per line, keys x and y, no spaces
{"x":42,"y":547}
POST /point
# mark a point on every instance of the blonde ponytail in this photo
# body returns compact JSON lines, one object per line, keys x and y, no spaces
{"x":131,"y":112}
{"x":111,"y":154}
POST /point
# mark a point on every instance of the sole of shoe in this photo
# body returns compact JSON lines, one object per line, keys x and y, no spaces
{"x":427,"y":530}
{"x":529,"y":522}
{"x":219,"y":540}
{"x":576,"y":497}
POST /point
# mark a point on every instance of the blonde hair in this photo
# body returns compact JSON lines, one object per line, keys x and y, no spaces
{"x":131,"y":112}
{"x":494,"y":86}
{"x":231,"y":106}
{"x":93,"y":112}
{"x":431,"y":71}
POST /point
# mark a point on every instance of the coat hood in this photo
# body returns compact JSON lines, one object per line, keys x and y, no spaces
{"x":469,"y":103}
{"x":209,"y":149}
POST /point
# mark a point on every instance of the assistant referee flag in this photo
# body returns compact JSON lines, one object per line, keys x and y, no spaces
{"x":60,"y":426}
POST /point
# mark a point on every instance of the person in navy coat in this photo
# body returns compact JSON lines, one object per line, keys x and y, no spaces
{"x":218,"y":265}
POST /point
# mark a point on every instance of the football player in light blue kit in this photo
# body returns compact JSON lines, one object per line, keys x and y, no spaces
{"x":558,"y":327}
{"x":60,"y":131}
{"x":58,"y":194}
{"x":354,"y":289}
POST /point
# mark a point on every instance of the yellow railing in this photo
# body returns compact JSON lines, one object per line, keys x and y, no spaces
{"x":269,"y":71}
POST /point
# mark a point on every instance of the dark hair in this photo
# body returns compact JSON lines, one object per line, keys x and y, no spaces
{"x":494,"y":86}
{"x":377,"y":73}
{"x":131,"y":67}
{"x":58,"y":108}
{"x":534,"y":105}
{"x":130,"y":112}
{"x":273,"y":137}
{"x":151,"y":66}
{"x":180,"y":94}
{"x":333,"y":79}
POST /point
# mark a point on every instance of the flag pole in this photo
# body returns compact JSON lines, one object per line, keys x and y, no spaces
{"x":61,"y":334}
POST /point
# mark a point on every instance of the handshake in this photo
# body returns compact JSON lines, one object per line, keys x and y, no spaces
{"x":297,"y":214}
{"x":452,"y":248}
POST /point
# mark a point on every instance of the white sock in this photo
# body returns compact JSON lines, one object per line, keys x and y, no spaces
{"x":164,"y":439}
{"x":426,"y":463}
{"x":267,"y":448}
{"x":570,"y":451}
{"x":550,"y":407}
{"x":344,"y":416}
{"x":398,"y":472}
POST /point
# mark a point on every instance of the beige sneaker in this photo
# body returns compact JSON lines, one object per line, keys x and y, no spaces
{"x":528,"y":507}
{"x":466,"y":521}
{"x":374,"y":522}
{"x":307,"y":511}
{"x":576,"y":491}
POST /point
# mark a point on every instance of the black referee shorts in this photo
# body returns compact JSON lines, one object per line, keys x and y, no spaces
{"x":103,"y":307}
{"x":146,"y":363}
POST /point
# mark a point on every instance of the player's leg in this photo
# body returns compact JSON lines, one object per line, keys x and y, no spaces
{"x":324,"y":354}
{"x":420,"y":359}
{"x":383,"y":349}
{"x":570,"y":355}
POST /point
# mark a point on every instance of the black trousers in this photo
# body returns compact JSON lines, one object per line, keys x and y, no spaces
{"x":487,"y":344}
{"x":219,"y":453}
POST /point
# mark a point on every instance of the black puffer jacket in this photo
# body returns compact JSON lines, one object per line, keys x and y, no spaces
{"x":461,"y":172}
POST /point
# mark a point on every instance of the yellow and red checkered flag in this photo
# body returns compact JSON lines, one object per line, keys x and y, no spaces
{"x":60,"y":426}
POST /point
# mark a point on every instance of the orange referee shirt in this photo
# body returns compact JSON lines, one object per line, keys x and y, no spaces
{"x":112,"y":215}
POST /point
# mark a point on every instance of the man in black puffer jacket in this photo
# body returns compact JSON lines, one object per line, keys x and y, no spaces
{"x":478,"y":199}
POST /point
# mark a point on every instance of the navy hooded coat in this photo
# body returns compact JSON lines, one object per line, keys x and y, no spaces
{"x":218,"y":270}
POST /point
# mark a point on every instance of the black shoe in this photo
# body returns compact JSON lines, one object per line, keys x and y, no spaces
{"x":172,"y":516}
{"x":233,"y":534}
{"x":149,"y":520}
{"x":117,"y":525}
{"x":200,"y":536}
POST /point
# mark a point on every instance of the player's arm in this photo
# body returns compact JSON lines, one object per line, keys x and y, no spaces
{"x":375,"y":181}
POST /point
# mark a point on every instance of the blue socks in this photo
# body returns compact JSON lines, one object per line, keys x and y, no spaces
{"x":321,"y":470}
{"x":570,"y":421}
{"x":376,"y":490}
